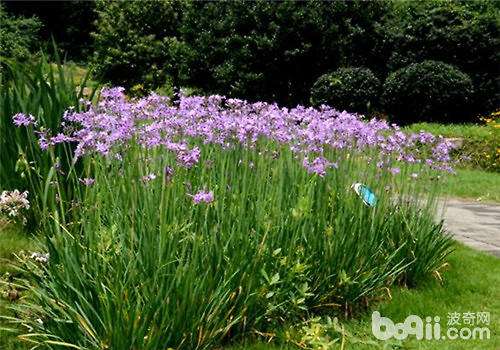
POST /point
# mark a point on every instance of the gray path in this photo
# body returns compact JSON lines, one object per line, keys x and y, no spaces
{"x":474,"y":224}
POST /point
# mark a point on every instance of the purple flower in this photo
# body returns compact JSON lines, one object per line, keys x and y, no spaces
{"x":203,"y":197}
{"x":109,"y":127}
{"x":188,"y":158}
{"x":395,"y":171}
{"x":21,"y":119}
{"x":87,"y":181}
{"x":318,"y":165}
{"x":43,"y":140}
{"x":59,"y":138}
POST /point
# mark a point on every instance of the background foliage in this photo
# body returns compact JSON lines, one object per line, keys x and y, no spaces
{"x":463,"y":33}
{"x":276,"y":51}
{"x":137,"y":42}
{"x":68,"y":22}
{"x":18,"y":35}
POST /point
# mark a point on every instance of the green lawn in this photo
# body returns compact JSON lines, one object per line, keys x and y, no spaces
{"x":471,"y":283}
{"x":474,"y":185}
{"x":12,"y":240}
{"x":452,"y":130}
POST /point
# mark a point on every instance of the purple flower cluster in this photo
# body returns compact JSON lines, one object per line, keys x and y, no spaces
{"x":87,"y":181}
{"x":318,"y":166}
{"x":21,"y":119}
{"x":188,"y":158}
{"x":203,"y":197}
{"x":109,"y":126}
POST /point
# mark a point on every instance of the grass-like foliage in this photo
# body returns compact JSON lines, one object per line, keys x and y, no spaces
{"x":203,"y":218}
{"x":42,"y":92}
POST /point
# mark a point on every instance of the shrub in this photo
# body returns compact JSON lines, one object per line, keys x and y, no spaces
{"x":427,"y":91}
{"x":351,"y":89}
{"x":69,"y":23}
{"x":480,"y":153}
{"x":137,"y":43}
{"x":463,"y":33}
{"x":477,"y":145}
{"x":18,"y":35}
{"x":258,"y":50}
{"x":274,"y":51}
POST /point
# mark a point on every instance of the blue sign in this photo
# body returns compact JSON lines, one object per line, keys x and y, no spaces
{"x":365,"y":194}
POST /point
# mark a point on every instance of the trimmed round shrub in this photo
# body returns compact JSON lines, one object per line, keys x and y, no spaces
{"x":428,"y":91}
{"x":465,"y":34}
{"x":351,"y":89}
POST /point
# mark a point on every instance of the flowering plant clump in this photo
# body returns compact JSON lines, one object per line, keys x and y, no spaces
{"x":200,"y":218}
{"x":14,"y":204}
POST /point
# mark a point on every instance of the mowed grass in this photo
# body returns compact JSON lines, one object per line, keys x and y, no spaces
{"x":476,"y":185}
{"x":471,"y":283}
{"x":451,"y":130}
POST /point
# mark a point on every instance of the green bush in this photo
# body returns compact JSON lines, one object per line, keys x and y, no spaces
{"x":18,"y":35}
{"x":427,"y":91}
{"x":351,"y":89}
{"x":463,"y":33}
{"x":68,"y":22}
{"x":137,"y":42}
{"x":258,"y":50}
{"x":274,"y":51}
{"x":480,"y":153}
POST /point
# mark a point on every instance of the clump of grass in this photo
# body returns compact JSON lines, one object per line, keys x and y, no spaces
{"x":194,"y":223}
{"x":43,"y":90}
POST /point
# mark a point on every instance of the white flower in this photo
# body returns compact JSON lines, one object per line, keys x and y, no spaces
{"x":40,"y":257}
{"x":13,"y":203}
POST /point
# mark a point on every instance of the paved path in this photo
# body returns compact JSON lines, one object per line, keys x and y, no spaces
{"x":474,"y":224}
